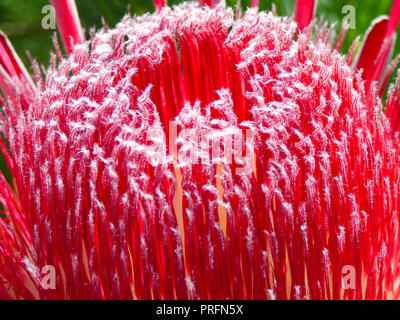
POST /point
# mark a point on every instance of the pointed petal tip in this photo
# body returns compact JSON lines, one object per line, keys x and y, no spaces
{"x":369,"y":47}
{"x":11,"y":66}
{"x":374,"y":53}
{"x":394,"y":18}
{"x":377,"y":48}
{"x":304,"y":12}
{"x":159,"y":4}
{"x":68,"y":23}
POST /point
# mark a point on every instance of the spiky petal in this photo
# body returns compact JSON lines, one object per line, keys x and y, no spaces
{"x":375,"y":53}
{"x":304,"y":12}
{"x":370,"y":49}
{"x":393,"y":19}
{"x":68,"y":22}
{"x":11,"y":67}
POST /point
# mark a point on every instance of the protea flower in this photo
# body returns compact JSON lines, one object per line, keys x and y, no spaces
{"x":121,"y":180}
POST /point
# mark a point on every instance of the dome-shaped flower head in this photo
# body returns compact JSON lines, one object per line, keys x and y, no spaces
{"x":202,"y":153}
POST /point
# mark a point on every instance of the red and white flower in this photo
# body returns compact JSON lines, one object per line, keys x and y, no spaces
{"x":322,"y":192}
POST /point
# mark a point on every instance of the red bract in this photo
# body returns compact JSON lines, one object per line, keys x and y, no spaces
{"x":113,"y":182}
{"x":68,"y":23}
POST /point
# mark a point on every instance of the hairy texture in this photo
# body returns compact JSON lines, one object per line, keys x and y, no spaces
{"x":97,"y":194}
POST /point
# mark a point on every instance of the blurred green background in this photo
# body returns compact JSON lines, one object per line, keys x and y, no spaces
{"x":21,"y":19}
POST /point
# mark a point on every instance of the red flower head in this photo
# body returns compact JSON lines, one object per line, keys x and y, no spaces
{"x":198,"y":153}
